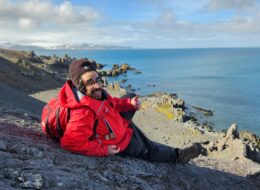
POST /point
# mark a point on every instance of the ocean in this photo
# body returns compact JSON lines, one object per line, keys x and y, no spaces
{"x":224,"y":80}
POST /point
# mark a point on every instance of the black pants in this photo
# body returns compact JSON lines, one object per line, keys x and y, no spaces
{"x":142,"y":147}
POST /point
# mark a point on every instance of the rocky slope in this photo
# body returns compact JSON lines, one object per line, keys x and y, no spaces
{"x":41,"y":73}
{"x":30,"y":161}
{"x":23,"y":71}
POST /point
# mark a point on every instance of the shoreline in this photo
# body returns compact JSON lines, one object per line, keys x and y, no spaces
{"x":54,"y":64}
{"x":176,"y":126}
{"x":165,"y":112}
{"x":181,"y":132}
{"x":53,"y":70}
{"x":172,"y":127}
{"x":31,"y":160}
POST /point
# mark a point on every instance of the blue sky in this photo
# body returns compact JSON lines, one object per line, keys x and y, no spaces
{"x":136,"y":23}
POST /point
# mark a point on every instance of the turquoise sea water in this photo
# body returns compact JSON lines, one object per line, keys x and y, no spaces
{"x":226,"y":81}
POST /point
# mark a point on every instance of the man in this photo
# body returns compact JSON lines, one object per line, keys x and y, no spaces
{"x":100,"y":125}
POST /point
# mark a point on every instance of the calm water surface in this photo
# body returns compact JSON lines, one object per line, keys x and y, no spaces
{"x":226,"y":81}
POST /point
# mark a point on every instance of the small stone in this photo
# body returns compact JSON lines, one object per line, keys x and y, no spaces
{"x":206,"y":142}
{"x":212,"y":146}
{"x":3,"y":145}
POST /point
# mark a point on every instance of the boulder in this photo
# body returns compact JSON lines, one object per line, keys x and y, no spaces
{"x":232,"y":132}
{"x":137,"y":72}
{"x":203,"y":111}
{"x":252,"y":152}
{"x":232,"y":147}
{"x":247,"y":136}
{"x":123,"y":81}
{"x":100,"y":66}
{"x":3,"y":145}
{"x":125,"y":67}
{"x":170,"y":106}
{"x":115,"y":67}
{"x":178,"y":103}
{"x":115,"y":72}
{"x":115,"y":90}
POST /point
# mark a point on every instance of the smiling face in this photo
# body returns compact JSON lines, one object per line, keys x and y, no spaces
{"x":93,"y":85}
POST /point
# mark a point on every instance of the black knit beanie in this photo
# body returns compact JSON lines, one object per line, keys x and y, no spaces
{"x":77,"y":68}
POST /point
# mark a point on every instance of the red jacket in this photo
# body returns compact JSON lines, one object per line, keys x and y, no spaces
{"x":82,"y":117}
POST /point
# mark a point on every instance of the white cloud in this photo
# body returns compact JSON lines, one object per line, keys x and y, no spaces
{"x":45,"y":23}
{"x":230,"y":4}
{"x":26,"y":23}
{"x":30,"y":20}
{"x":44,"y":12}
{"x":171,"y":31}
{"x":241,"y":25}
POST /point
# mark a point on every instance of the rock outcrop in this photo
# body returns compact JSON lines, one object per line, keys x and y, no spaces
{"x":117,"y":70}
{"x":170,"y":105}
{"x":53,"y":70}
{"x":232,"y":147}
{"x":204,"y":111}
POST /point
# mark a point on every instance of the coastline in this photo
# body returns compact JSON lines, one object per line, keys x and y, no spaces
{"x":214,"y":79}
{"x":172,"y":125}
{"x":163,"y":118}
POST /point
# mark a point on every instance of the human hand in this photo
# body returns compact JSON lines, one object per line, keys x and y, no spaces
{"x":136,"y":102}
{"x":113,"y":149}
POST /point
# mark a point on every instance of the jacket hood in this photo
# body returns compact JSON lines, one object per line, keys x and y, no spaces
{"x":67,"y":97}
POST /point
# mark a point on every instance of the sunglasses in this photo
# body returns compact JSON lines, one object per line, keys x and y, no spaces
{"x":92,"y":82}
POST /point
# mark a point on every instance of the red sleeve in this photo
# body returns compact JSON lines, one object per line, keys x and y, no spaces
{"x":78,"y":132}
{"x":123,"y":104}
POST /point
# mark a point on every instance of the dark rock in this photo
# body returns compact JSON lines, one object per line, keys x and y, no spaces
{"x":123,"y":80}
{"x":100,"y":66}
{"x":179,"y":103}
{"x":193,"y":118}
{"x":137,"y":72}
{"x":173,"y":95}
{"x":115,"y":67}
{"x":204,"y":111}
{"x":151,"y":85}
{"x":206,"y":126}
{"x":115,"y":72}
{"x":247,"y":136}
{"x":125,"y":67}
{"x":252,"y":153}
{"x":2,"y":145}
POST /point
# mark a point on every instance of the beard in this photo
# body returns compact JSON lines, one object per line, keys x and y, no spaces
{"x":96,"y":94}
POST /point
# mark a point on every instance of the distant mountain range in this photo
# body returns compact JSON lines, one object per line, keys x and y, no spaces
{"x":88,"y":46}
{"x":19,"y":47}
{"x":83,"y":46}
